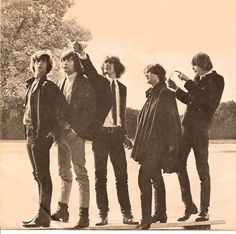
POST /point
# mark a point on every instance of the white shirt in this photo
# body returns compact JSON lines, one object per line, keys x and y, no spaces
{"x":67,"y":90}
{"x":205,"y":74}
{"x":109,"y":119}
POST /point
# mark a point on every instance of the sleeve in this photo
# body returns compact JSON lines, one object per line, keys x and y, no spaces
{"x":89,"y":69}
{"x":182,"y":96}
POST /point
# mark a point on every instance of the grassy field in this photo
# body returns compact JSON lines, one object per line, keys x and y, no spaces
{"x":18,"y":197}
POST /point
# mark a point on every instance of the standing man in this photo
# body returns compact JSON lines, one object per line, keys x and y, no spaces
{"x":157,"y":144}
{"x":109,"y":134}
{"x":80,"y":96}
{"x":44,"y":109}
{"x":202,"y":99}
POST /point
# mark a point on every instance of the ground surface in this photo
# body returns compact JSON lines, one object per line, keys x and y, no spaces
{"x":18,"y":196}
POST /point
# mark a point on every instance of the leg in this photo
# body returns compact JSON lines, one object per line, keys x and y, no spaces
{"x":190,"y":207}
{"x":144,"y":182}
{"x":100,"y":149}
{"x":201,"y":154}
{"x":160,"y":198}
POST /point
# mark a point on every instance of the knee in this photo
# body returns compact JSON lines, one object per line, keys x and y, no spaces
{"x":66,"y":175}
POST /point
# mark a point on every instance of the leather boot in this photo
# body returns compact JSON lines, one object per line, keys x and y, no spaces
{"x":203,"y":215}
{"x":159,"y":217}
{"x":189,"y":210}
{"x":83,"y":219}
{"x":61,"y":213}
{"x":128,"y":218}
{"x":42,"y":219}
{"x":103,"y":218}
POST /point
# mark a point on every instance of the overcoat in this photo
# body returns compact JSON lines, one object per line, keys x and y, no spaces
{"x":158,"y":135}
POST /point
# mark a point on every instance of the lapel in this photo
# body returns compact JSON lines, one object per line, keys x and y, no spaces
{"x":62,"y":85}
{"x":75,"y":86}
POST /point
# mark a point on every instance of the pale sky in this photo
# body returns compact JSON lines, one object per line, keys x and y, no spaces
{"x":168,"y":32}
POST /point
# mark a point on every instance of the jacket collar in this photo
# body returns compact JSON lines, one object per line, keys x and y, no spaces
{"x":32,"y":79}
{"x":154,"y":91}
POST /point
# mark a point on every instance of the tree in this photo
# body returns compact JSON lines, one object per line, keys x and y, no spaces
{"x":27,"y":26}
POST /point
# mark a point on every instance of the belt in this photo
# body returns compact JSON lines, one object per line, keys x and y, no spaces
{"x":110,"y":130}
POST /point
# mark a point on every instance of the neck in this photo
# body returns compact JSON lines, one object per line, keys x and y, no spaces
{"x":111,"y":76}
{"x":39,"y":76}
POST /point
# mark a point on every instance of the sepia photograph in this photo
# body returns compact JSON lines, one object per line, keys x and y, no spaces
{"x":118,"y":115}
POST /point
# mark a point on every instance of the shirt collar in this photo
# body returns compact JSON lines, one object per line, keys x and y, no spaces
{"x":205,"y":74}
{"x":72,"y":76}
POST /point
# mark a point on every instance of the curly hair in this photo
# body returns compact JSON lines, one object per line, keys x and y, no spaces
{"x":118,"y":66}
{"x":203,"y":61}
{"x":156,"y":69}
{"x":41,"y":55}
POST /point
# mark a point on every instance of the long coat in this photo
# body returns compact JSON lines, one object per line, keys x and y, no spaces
{"x":158,"y":135}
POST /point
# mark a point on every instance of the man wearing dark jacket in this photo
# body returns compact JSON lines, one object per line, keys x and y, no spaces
{"x":202,"y":99}
{"x":45,"y":108}
{"x":157,"y":144}
{"x":109,"y":131}
{"x":80,"y":97}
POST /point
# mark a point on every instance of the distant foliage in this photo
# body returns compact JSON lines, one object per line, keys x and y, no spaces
{"x":224,"y":122}
{"x":27,"y":26}
{"x":131,"y":121}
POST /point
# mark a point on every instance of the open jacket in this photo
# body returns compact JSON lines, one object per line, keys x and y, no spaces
{"x":48,"y":107}
{"x":158,"y":134}
{"x":103,"y":97}
{"x":82,"y":106}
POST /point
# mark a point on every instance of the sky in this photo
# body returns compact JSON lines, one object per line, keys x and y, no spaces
{"x":168,"y":32}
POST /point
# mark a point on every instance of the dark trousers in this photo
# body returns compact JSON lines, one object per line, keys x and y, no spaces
{"x":198,"y":141}
{"x":104,"y":145}
{"x":38,"y":151}
{"x":150,"y":173}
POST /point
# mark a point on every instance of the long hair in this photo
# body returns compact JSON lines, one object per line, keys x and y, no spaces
{"x":77,"y":64}
{"x":118,"y":66}
{"x":203,"y":61}
{"x":41,"y":55}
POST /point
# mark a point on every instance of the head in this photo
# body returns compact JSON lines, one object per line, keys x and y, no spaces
{"x":155,"y":74}
{"x":71,"y":63}
{"x":112,"y":66}
{"x":201,"y":63}
{"x":41,"y":63}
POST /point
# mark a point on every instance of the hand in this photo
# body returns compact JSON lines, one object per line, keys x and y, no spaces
{"x":127,"y":142}
{"x":78,"y":48}
{"x":182,"y":76}
{"x":71,"y":137}
{"x":172,"y":84}
{"x":171,"y":148}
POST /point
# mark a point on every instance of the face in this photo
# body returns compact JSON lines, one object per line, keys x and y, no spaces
{"x":68,"y":65}
{"x":108,"y":68}
{"x":152,"y":79}
{"x":40,"y":67}
{"x":198,"y":70}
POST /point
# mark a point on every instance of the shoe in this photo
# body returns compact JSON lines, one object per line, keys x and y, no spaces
{"x":83,"y":220}
{"x":25,"y":222}
{"x":128,"y":218}
{"x":143,"y":226}
{"x":103,"y":221}
{"x":203,"y":216}
{"x":162,"y":218}
{"x":61,"y":213}
{"x":40,"y":220}
{"x":188,"y":212}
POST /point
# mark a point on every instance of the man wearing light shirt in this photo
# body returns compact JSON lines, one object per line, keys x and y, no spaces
{"x":202,"y":99}
{"x":109,"y":134}
{"x":80,"y":96}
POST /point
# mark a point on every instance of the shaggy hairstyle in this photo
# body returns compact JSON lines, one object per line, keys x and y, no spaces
{"x":203,"y":61}
{"x":156,"y":69}
{"x":77,"y":64}
{"x":41,"y":55}
{"x":118,"y":66}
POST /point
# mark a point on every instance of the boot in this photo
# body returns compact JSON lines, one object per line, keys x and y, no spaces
{"x":189,"y":210}
{"x":83,"y":219}
{"x":42,"y":219}
{"x":103,"y":218}
{"x":159,"y":217}
{"x":61,"y":213}
{"x":203,"y":215}
{"x":128,"y":218}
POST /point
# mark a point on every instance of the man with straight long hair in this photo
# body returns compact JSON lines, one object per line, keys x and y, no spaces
{"x":202,"y":99}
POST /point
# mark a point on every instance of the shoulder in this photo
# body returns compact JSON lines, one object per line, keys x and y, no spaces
{"x":166,"y":93}
{"x":122,"y":86}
